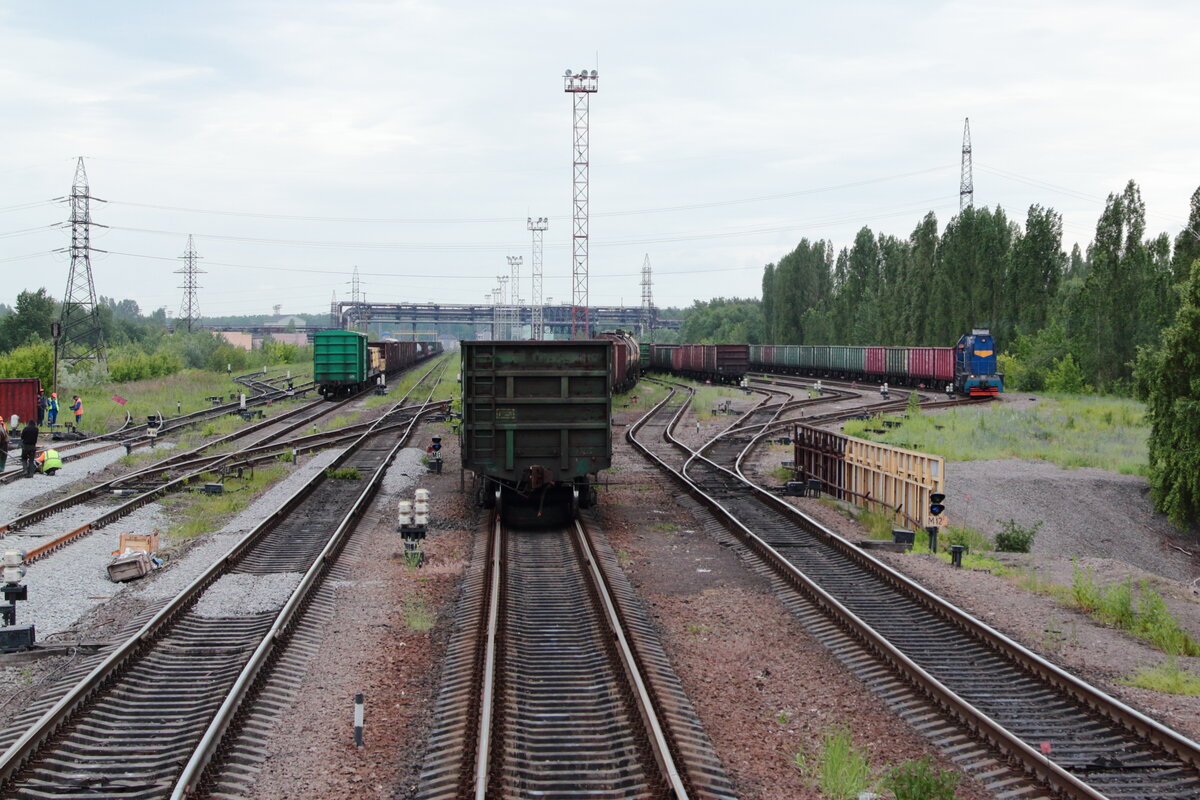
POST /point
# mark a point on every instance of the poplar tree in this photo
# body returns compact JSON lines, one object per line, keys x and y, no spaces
{"x":1168,"y":380}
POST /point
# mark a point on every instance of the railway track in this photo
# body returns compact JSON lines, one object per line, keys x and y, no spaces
{"x":147,"y":720}
{"x":556,"y":686}
{"x":130,"y":435}
{"x":146,"y":485}
{"x":1004,"y":695}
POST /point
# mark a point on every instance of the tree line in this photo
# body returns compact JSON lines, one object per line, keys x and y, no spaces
{"x":138,"y":346}
{"x":1059,"y":317}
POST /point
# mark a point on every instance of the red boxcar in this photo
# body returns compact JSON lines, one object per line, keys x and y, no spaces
{"x":731,"y":360}
{"x":19,"y":396}
{"x":931,"y":363}
{"x":876,"y":361}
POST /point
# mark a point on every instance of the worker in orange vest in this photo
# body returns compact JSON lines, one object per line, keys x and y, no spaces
{"x":77,"y":407}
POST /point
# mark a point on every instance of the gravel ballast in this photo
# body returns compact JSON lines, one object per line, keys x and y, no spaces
{"x":238,"y":594}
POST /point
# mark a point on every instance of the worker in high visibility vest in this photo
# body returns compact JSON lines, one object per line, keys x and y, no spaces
{"x":49,"y":462}
{"x":77,"y":407}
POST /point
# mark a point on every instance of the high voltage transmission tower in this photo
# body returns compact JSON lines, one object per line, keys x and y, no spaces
{"x":537,"y":329}
{"x":966,"y":184}
{"x":79,"y":335}
{"x":582,"y":84}
{"x":189,"y":310}
{"x":647,"y":303}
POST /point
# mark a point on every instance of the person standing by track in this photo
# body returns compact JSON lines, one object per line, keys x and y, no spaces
{"x":52,"y":409}
{"x":3,"y":445}
{"x":41,"y":408}
{"x":77,"y":407}
{"x":29,"y":439}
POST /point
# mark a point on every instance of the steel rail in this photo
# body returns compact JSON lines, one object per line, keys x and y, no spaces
{"x":630,"y":665}
{"x":45,"y":727}
{"x":487,"y":692}
{"x":1031,"y":760}
{"x":192,"y":774}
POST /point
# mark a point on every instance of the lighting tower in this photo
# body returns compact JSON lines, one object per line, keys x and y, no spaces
{"x":502,"y":311}
{"x":79,"y":334}
{"x":537,"y":326}
{"x":514,"y":314}
{"x":189,"y":310}
{"x":966,"y":184}
{"x":334,"y":322}
{"x":496,"y":313}
{"x":582,"y":84}
{"x":647,"y":303}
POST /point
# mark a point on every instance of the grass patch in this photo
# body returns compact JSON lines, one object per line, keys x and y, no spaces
{"x":1138,"y":610}
{"x":1067,"y":430}
{"x":417,"y":617}
{"x":196,"y":513}
{"x":1168,"y":678}
{"x":843,"y":769}
{"x":921,"y":780}
{"x":182,"y":392}
{"x":344,"y":474}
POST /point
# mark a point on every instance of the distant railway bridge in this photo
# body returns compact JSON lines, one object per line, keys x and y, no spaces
{"x":406,"y":320}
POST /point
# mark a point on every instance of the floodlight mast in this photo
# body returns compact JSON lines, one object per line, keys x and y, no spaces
{"x":581,"y":84}
{"x":537,"y":329}
{"x":514,"y":262}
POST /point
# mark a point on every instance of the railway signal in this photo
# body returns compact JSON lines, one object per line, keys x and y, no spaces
{"x":937,"y":504}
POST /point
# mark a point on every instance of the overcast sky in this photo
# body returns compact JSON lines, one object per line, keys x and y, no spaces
{"x":297,"y":140}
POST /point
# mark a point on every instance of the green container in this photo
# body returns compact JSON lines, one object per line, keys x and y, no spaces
{"x":821,"y":356}
{"x":897,"y":360}
{"x":856,"y":359}
{"x":339,"y":358}
{"x":804,"y":356}
{"x":536,"y":412}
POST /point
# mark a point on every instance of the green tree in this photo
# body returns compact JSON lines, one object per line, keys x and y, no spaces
{"x":31,"y":320}
{"x":34,"y":360}
{"x":1187,"y":243}
{"x":1168,"y":380}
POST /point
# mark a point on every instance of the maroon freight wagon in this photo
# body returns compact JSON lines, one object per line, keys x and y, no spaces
{"x":19,"y":396}
{"x":931,"y":364}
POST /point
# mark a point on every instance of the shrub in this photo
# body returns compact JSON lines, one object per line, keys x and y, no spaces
{"x":1016,"y":538}
{"x":921,"y":780}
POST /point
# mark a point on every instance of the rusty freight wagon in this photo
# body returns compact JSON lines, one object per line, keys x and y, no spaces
{"x":536,"y":424}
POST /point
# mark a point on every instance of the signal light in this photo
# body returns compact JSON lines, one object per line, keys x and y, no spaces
{"x":937,"y":504}
{"x":437,"y":444}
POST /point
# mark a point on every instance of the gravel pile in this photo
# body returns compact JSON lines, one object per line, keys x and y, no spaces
{"x":241,"y":595}
{"x":1085,"y":512}
{"x":72,"y":581}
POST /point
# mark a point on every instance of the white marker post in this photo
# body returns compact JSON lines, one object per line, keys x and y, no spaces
{"x":358,"y":720}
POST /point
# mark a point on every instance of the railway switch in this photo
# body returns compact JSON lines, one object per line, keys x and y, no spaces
{"x":13,"y":637}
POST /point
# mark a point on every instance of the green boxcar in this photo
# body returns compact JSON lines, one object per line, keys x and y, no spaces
{"x":897,"y":360}
{"x":789,"y":355}
{"x":536,"y":413}
{"x":856,"y":359}
{"x":339,"y":360}
{"x":804,"y":356}
{"x":643,"y":355}
{"x":821,"y":356}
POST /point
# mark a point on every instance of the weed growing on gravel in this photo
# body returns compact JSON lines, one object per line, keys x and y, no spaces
{"x":344,"y":474}
{"x":1168,"y":678}
{"x":340,"y":421}
{"x":1067,"y":430}
{"x":194,"y":514}
{"x":844,"y":770}
{"x":921,"y":780}
{"x":417,"y":617}
{"x":782,"y":718}
{"x":1144,"y":613}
